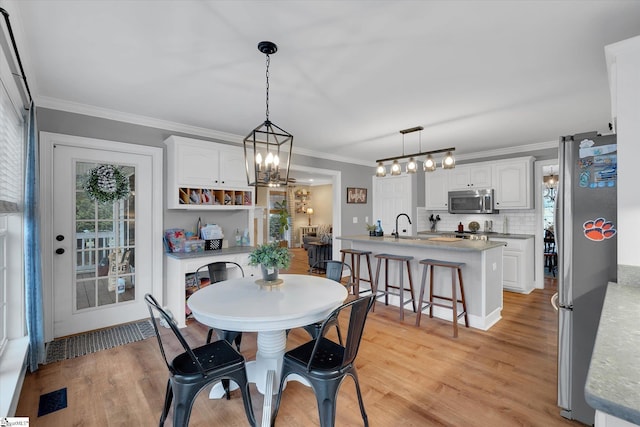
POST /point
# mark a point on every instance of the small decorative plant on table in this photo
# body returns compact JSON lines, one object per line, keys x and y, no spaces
{"x":271,"y":257}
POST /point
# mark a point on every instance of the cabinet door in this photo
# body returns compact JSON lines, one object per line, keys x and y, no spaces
{"x":459,"y":178}
{"x":513,"y":185}
{"x":466,"y":177}
{"x":196,"y":166}
{"x":232,"y":168}
{"x":480,"y":176}
{"x":391,"y":196}
{"x":511,"y":269}
{"x":436,"y":188}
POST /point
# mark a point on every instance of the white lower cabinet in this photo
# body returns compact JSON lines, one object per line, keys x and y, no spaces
{"x":606,"y":420}
{"x":517,"y":265}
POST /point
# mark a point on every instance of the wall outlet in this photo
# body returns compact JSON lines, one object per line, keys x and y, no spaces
{"x":366,"y":219}
{"x":355,"y":219}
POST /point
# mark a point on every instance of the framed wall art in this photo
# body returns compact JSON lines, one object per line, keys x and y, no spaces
{"x":356,"y":195}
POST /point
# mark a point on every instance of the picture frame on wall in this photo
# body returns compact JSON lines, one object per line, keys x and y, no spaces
{"x":356,"y":195}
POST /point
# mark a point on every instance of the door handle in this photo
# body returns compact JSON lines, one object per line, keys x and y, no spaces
{"x":59,"y":251}
{"x":59,"y":237}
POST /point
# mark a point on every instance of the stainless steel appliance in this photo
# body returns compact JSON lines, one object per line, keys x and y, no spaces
{"x":585,"y":233}
{"x":471,"y":201}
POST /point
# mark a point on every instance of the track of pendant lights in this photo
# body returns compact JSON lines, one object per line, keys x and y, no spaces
{"x":429,"y":163}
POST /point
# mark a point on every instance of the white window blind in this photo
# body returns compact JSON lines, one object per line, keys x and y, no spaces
{"x":10,"y":155}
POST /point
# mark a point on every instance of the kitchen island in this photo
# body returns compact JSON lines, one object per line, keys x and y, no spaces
{"x":482,"y":273}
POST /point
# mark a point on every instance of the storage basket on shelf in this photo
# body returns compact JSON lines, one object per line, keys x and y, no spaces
{"x":213,"y":244}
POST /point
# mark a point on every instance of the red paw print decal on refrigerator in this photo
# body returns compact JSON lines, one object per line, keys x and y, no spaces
{"x":599,"y":229}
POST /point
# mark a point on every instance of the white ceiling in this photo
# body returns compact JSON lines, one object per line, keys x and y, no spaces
{"x":348,"y":75}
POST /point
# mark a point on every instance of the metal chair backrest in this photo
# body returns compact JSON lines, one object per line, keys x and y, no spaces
{"x":218,"y":271}
{"x":359,"y":309}
{"x":155,"y":311}
{"x":334,"y":269}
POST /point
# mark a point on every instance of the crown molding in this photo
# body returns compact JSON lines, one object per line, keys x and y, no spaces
{"x":77,"y":108}
{"x":520,"y":150}
{"x":105,"y":113}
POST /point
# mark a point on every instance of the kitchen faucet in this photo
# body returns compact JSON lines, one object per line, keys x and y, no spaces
{"x":397,"y":232}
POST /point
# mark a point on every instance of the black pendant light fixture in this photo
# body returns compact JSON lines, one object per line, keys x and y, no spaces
{"x":267,"y":149}
{"x":429,"y":164}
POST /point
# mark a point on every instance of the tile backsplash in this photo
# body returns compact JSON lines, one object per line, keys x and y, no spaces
{"x":519,"y":222}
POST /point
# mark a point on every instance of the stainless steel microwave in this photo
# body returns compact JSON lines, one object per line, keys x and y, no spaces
{"x":472,"y":201}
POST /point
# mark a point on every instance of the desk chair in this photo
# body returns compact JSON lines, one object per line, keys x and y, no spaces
{"x":325,"y":364}
{"x":195,"y":368}
{"x":217,"y":272}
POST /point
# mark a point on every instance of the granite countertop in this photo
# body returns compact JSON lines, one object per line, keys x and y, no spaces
{"x":224,"y":251}
{"x":417,"y":242}
{"x":613,"y":382}
{"x":490,"y":235}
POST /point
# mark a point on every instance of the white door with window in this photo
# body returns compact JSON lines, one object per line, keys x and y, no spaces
{"x":103,"y":252}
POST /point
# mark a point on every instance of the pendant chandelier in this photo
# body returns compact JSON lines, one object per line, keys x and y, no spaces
{"x":429,"y":164}
{"x":267,"y":149}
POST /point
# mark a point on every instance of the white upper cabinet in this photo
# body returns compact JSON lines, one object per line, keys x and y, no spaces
{"x":436,"y":187}
{"x":513,"y":183}
{"x":511,"y":180}
{"x":467,"y":177}
{"x":206,"y":175}
{"x":205,"y":164}
{"x":232,"y":168}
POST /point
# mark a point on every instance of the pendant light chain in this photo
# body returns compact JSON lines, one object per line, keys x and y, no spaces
{"x":267,"y":75}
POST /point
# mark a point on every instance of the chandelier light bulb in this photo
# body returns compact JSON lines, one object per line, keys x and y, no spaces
{"x":269,"y":159}
{"x":448,"y":162}
{"x":411,"y":166}
{"x":429,"y":164}
{"x":276,"y":160}
{"x":381,"y":170}
{"x":395,"y":168}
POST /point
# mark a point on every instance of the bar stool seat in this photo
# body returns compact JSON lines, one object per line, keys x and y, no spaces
{"x":402,"y":259}
{"x":356,"y":255}
{"x":429,"y":265}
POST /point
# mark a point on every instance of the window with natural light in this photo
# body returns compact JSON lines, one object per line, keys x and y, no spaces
{"x":11,"y":177}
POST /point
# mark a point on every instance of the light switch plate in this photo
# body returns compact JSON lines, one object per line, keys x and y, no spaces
{"x":355,"y":219}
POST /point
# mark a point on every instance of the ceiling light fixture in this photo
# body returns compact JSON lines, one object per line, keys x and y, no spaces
{"x":429,"y":165}
{"x":268,"y":142}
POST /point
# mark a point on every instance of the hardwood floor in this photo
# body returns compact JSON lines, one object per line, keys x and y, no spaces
{"x":409,"y":376}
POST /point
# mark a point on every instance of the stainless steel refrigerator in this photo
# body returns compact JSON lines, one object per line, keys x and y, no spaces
{"x":585,"y":233}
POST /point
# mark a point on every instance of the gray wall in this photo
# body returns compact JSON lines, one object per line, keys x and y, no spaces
{"x":63,"y":122}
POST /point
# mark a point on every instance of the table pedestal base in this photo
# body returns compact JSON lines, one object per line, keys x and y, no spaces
{"x":265,"y":371}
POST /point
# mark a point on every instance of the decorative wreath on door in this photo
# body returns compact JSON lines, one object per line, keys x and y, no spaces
{"x":106,"y":183}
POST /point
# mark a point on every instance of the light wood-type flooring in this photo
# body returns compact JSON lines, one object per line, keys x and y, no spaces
{"x":410,"y":376}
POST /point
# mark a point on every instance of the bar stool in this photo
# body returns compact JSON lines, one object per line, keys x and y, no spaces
{"x":429,"y":264}
{"x":356,"y":254}
{"x":400,"y":287}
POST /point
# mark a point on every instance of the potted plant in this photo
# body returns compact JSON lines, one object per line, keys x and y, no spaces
{"x":280,"y":221}
{"x":371,"y":228}
{"x":270,"y":257}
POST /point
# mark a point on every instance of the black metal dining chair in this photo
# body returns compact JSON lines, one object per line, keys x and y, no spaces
{"x":325,"y":364}
{"x":195,"y":368}
{"x":217,"y":272}
{"x":550,"y":253}
{"x":333,"y":270}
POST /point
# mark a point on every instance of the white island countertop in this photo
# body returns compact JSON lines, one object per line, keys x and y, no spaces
{"x":419,"y":242}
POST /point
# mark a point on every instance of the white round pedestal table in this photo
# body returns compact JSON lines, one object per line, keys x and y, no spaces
{"x":243,"y":305}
